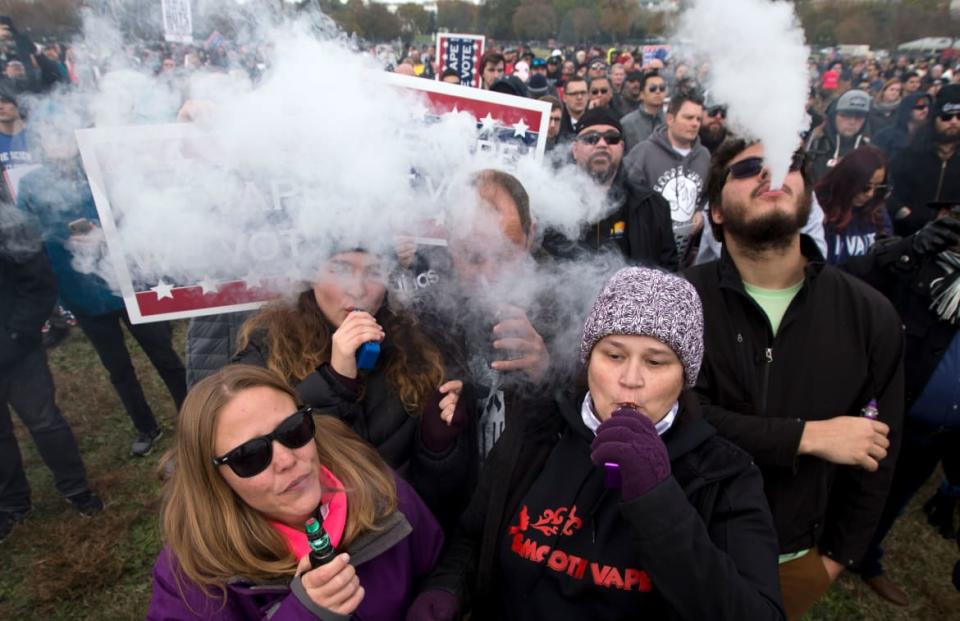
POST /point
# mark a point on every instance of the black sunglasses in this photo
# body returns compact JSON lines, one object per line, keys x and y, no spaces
{"x":599,"y":91}
{"x":883,"y":190}
{"x":946,"y":117}
{"x":753,"y":166}
{"x":611,"y":138}
{"x":921,"y":106}
{"x":253,"y":456}
{"x":653,"y":88}
{"x":717,"y":111}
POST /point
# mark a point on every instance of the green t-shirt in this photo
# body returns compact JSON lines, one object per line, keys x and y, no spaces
{"x":774,"y":302}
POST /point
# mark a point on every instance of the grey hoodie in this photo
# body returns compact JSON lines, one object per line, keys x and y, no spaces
{"x":681,"y":179}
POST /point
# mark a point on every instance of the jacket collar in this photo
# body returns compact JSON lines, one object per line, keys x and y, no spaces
{"x":730,"y":275}
{"x":688,"y":431}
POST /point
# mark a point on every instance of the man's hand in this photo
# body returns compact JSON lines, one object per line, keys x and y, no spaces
{"x":832,"y":567}
{"x":451,"y":395}
{"x":846,"y":440}
{"x":516,"y":333}
{"x":406,"y":250}
{"x":334,"y":586}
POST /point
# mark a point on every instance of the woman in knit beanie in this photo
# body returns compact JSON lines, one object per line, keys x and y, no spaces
{"x":616,"y":501}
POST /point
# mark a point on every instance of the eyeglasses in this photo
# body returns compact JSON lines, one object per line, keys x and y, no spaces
{"x":753,"y":166}
{"x":253,"y":456}
{"x":946,"y":117}
{"x":576,"y":93}
{"x":611,"y":138}
{"x":599,"y":91}
{"x":717,"y":111}
{"x":657,"y":88}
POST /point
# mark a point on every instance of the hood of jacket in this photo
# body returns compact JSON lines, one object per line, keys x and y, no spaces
{"x":905,"y":109}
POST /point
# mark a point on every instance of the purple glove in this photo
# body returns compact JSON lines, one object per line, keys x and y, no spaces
{"x":434,"y":605}
{"x":435,"y":433}
{"x":629,"y":439}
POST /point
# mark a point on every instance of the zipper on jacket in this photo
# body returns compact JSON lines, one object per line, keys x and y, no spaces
{"x":943,"y":170}
{"x":768,"y":360}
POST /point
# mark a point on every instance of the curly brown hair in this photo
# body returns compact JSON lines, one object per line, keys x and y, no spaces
{"x":298,"y":338}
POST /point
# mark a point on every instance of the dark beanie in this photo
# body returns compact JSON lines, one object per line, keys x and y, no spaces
{"x":598,"y":116}
{"x":948,"y":99}
{"x":537,"y":86}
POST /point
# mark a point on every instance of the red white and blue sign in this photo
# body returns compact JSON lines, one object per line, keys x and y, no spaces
{"x":462,"y":53}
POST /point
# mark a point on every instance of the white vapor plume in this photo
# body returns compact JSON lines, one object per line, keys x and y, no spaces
{"x":758,"y":68}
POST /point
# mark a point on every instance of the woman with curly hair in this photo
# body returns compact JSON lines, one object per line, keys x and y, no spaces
{"x":408,"y":406}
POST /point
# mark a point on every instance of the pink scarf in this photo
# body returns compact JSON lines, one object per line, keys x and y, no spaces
{"x":333,"y":510}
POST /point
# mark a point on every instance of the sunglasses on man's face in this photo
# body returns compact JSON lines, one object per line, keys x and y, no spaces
{"x":946,"y":117}
{"x":653,"y":88}
{"x":254,"y":456}
{"x":753,"y":166}
{"x":718,"y":111}
{"x":592,"y":138}
{"x":599,"y":91}
{"x":921,"y":107}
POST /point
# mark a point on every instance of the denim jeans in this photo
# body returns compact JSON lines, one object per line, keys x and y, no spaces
{"x":27,"y":387}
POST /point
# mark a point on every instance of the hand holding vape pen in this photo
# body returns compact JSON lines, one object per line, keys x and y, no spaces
{"x":321,"y":550}
{"x":367,"y":353}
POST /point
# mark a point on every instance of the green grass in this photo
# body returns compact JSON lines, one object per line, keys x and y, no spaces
{"x":60,"y":566}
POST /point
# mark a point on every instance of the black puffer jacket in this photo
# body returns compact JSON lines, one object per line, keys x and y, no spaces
{"x":211,"y":343}
{"x":921,"y":176}
{"x":700,"y":545}
{"x":374,"y":411}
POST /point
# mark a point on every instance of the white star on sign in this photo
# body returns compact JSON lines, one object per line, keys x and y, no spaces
{"x":163,"y":290}
{"x":488,"y":122}
{"x":251,"y":280}
{"x":208,"y":285}
{"x":520,"y":128}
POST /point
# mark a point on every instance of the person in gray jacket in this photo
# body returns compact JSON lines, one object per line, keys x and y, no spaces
{"x":211,"y":343}
{"x":674,"y":163}
{"x":639,"y":124}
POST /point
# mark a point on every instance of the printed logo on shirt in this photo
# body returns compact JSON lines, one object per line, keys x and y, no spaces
{"x":565,"y":522}
{"x":618,"y":229}
{"x":682,"y":189}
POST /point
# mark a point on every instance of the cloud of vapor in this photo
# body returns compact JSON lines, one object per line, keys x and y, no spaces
{"x":758,"y":62}
{"x":319,"y":155}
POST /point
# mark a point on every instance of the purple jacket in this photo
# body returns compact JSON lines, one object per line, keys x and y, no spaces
{"x":389,"y":564}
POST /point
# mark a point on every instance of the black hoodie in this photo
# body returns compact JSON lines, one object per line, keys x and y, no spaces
{"x":544,"y":539}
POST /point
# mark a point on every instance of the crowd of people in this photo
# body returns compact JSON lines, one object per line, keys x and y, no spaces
{"x":754,"y":401}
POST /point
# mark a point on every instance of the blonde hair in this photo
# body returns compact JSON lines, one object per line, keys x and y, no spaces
{"x":298,"y":338}
{"x":213,"y":534}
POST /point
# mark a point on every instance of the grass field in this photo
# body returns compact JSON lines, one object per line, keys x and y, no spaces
{"x":60,"y":566}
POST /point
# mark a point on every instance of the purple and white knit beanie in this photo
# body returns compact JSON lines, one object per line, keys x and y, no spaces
{"x":647,"y":302}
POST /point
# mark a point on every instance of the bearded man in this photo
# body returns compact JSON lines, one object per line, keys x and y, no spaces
{"x":803,"y":369}
{"x":634,"y":221}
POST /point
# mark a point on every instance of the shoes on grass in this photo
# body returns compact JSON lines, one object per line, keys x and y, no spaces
{"x":145,"y":443}
{"x":9,"y":519}
{"x":87,"y":503}
{"x":888,"y":590}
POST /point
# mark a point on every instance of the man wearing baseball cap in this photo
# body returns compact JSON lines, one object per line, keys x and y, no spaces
{"x":929,"y":169}
{"x":845,"y":130}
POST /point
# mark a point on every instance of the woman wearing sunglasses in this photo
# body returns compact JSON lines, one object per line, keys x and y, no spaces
{"x":252,"y":468}
{"x":407,"y":406}
{"x":853,"y":196}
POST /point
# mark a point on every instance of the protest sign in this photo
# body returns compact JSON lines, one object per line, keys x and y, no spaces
{"x":462,"y":53}
{"x":177,"y":21}
{"x":156,"y":170}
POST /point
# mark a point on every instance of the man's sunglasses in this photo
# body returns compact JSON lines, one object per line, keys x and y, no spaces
{"x":946,"y":117}
{"x":921,"y":106}
{"x":599,"y":91}
{"x":717,"y":111}
{"x":611,"y":138}
{"x":253,"y":456}
{"x":653,"y":88}
{"x":753,"y":166}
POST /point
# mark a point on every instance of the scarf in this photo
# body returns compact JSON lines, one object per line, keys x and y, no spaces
{"x":946,"y":289}
{"x":332,"y":514}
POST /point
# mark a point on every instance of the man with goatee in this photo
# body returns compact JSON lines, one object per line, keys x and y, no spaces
{"x":803,"y":369}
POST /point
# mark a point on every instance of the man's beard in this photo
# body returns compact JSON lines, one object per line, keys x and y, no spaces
{"x":946,"y":137}
{"x":599,"y":175}
{"x":713,"y":132}
{"x":773,"y":231}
